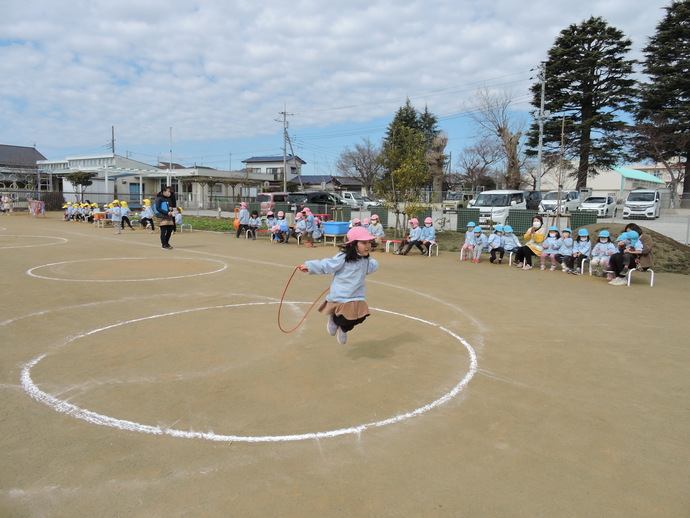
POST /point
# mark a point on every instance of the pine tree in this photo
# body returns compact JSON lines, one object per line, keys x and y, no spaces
{"x":588,"y":86}
{"x":663,"y":113}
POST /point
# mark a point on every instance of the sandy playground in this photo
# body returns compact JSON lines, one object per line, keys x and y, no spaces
{"x":140,"y":382}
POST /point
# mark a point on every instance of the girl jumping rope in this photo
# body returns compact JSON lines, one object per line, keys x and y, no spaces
{"x":345,"y":305}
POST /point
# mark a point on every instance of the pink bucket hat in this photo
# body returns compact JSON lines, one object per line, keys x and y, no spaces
{"x":358,"y":234}
{"x":307,"y":210}
{"x":298,"y":216}
{"x":414,"y":222}
{"x":365,"y":221}
{"x":356,"y":220}
{"x":428,"y":220}
{"x":243,"y":205}
{"x":374,"y":217}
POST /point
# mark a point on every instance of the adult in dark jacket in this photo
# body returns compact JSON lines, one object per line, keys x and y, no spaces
{"x":164,"y":210}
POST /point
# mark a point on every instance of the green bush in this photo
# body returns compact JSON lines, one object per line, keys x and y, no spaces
{"x":210,"y":223}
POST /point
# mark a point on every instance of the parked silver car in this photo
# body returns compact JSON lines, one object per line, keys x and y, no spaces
{"x":604,"y":205}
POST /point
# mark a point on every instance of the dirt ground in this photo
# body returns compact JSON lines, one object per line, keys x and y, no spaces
{"x":141,"y":382}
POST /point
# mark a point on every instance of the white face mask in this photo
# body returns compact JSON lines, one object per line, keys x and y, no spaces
{"x":602,"y":240}
{"x":536,"y":224}
{"x":552,"y":234}
{"x":427,"y":224}
{"x":583,"y":238}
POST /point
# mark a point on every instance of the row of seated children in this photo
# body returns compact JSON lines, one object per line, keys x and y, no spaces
{"x":307,"y":227}
{"x":373,"y":226}
{"x":421,"y":237}
{"x":502,"y":240}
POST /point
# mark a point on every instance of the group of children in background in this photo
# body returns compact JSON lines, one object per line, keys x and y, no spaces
{"x":117,"y":211}
{"x":559,"y":248}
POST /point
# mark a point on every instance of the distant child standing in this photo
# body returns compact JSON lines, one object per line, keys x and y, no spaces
{"x":552,"y":244}
{"x":468,"y":246}
{"x":581,"y":250}
{"x":318,"y":229}
{"x":345,"y":304}
{"x":495,"y":244}
{"x":116,"y":215}
{"x":243,"y":219}
{"x":480,"y":242}
{"x":601,"y":253}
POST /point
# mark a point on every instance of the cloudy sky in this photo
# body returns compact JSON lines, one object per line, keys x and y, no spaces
{"x":220,"y":72}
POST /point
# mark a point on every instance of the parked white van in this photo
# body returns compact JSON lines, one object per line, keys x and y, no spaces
{"x":642,"y":203}
{"x":570,"y":200}
{"x":494,"y":205}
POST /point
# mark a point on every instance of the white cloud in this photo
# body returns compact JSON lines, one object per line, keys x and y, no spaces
{"x":219,"y":70}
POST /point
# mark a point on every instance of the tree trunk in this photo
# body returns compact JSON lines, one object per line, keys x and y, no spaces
{"x":685,"y":201}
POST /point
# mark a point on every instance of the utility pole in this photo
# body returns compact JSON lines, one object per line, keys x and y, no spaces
{"x":541,"y":117}
{"x":285,"y":141}
{"x":112,"y":139}
{"x":170,"y":164}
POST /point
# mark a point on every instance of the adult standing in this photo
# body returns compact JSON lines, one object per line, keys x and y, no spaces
{"x":164,"y":210}
{"x":534,"y":236}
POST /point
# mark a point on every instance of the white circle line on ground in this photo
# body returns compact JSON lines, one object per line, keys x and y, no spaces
{"x":58,"y":239}
{"x":32,"y":274}
{"x":92,"y":417}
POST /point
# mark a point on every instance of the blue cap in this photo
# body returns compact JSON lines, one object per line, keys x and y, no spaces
{"x":508,"y":229}
{"x":471,"y":224}
{"x":477,"y":229}
{"x":553,"y":227}
{"x":498,"y":228}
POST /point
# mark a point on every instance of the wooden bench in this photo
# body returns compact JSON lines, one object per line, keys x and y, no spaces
{"x":335,"y":237}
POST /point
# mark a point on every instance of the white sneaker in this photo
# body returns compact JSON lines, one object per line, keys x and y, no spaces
{"x":552,"y":268}
{"x":331,"y":327}
{"x":342,"y":337}
{"x":618,"y":281}
{"x":542,"y":267}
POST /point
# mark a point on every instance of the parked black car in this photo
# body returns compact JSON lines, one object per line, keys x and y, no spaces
{"x":533,"y":199}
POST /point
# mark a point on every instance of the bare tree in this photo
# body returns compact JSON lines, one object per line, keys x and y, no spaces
{"x":436,"y":159}
{"x":476,"y":163}
{"x":491,"y":112}
{"x":362,"y":162}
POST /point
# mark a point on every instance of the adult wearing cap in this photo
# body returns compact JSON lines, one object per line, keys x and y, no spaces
{"x":345,"y":304}
{"x":164,"y":210}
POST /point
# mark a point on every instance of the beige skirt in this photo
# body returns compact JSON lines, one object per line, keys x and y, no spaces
{"x":350,"y":310}
{"x":164,"y":222}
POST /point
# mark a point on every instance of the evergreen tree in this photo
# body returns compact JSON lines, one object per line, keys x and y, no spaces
{"x":663,"y":113}
{"x":587,"y":86}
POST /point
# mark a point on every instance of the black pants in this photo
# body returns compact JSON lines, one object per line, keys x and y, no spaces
{"x":618,"y":262}
{"x":345,"y":324}
{"x":242,"y":228}
{"x":166,"y":232}
{"x":524,"y":255}
{"x":498,"y":250}
{"x":125,"y":219}
{"x":418,"y":244}
{"x":146,"y":221}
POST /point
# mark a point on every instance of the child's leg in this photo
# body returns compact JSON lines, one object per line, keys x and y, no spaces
{"x":476,"y":253}
{"x":345,"y":324}
{"x":553,"y":260}
{"x":543,"y":258}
